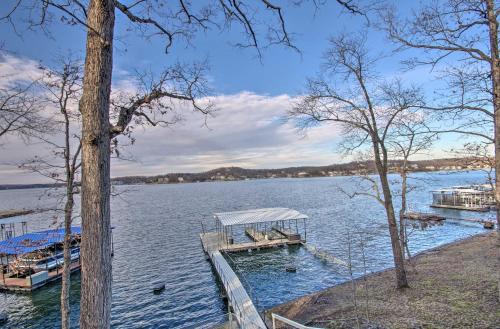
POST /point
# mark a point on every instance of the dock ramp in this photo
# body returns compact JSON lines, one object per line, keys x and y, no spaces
{"x":247,"y":315}
{"x":245,"y":311}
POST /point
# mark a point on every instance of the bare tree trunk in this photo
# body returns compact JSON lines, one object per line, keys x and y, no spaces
{"x":495,"y":78}
{"x":401,"y":281}
{"x":403,"y":232}
{"x":68,"y":213}
{"x":393,"y":232}
{"x":69,"y":164}
{"x":402,"y":211}
{"x":95,"y":304}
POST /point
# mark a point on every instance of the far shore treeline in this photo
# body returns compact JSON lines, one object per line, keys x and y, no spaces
{"x":237,"y":173}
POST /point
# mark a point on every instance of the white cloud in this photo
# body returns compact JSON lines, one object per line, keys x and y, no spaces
{"x":15,"y":69}
{"x":248,"y":130}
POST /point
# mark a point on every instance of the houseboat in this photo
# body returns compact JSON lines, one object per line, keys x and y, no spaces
{"x":467,"y":197}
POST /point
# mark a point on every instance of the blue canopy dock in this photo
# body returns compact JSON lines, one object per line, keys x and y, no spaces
{"x":31,"y":260}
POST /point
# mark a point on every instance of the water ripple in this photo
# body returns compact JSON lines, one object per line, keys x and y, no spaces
{"x":156,"y":239}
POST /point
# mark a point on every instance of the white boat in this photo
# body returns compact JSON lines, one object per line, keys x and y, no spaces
{"x":48,"y":263}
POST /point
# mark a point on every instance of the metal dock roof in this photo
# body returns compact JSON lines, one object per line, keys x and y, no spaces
{"x":258,"y":216}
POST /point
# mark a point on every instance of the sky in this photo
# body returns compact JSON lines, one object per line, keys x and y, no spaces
{"x":252,"y":94}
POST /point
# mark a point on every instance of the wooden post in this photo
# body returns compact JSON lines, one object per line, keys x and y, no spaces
{"x":57,"y":267}
{"x":3,"y":272}
{"x":305,"y":230}
{"x":29,"y":271}
{"x":112,"y":244}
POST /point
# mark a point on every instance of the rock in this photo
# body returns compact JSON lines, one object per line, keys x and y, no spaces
{"x":158,"y":288}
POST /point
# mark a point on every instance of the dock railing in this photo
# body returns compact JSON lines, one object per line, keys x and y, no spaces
{"x":251,"y":292}
{"x":276,"y":317}
{"x":224,"y":321}
{"x":247,"y":316}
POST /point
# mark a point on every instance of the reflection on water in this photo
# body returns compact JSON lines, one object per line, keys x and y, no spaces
{"x":156,"y":239}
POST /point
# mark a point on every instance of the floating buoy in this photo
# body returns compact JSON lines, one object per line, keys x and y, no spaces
{"x":159,"y":287}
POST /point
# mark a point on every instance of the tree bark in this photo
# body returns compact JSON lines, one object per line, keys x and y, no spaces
{"x":66,"y":282}
{"x":95,"y":303}
{"x":495,"y":79}
{"x":397,"y":253}
{"x":401,"y":280}
{"x":68,"y":216}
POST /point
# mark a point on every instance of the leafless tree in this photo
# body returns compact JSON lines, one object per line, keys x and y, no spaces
{"x":410,"y":137}
{"x":171,"y":20}
{"x":61,"y":90}
{"x":157,"y":99}
{"x":351,"y":95}
{"x":350,"y":270}
{"x":20,"y":113}
{"x":478,"y":155}
{"x":362,"y":246}
{"x":463,"y":32}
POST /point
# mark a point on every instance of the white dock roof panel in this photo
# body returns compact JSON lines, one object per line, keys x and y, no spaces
{"x":258,"y":216}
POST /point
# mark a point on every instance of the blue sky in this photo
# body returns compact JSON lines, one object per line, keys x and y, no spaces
{"x":282,"y":71}
{"x":253,"y":94}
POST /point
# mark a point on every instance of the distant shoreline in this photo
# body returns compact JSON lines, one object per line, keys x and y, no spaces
{"x":354,"y":168}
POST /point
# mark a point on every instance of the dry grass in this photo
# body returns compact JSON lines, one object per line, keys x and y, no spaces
{"x":454,"y":286}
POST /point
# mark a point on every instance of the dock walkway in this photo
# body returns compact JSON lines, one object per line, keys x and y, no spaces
{"x":247,"y":315}
{"x":426,"y":217}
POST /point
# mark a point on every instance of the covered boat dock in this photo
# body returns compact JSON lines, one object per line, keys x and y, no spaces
{"x":266,"y":228}
{"x":31,"y":260}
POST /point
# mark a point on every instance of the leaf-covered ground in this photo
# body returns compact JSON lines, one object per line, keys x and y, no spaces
{"x":454,"y":286}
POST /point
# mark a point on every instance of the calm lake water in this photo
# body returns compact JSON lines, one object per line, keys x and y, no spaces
{"x":156,"y":239}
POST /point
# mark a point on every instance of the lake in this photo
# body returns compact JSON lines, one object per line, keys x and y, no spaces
{"x":156,"y":239}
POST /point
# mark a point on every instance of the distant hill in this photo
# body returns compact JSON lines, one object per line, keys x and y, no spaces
{"x":25,"y":186}
{"x":344,"y":169}
{"x":237,"y":173}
